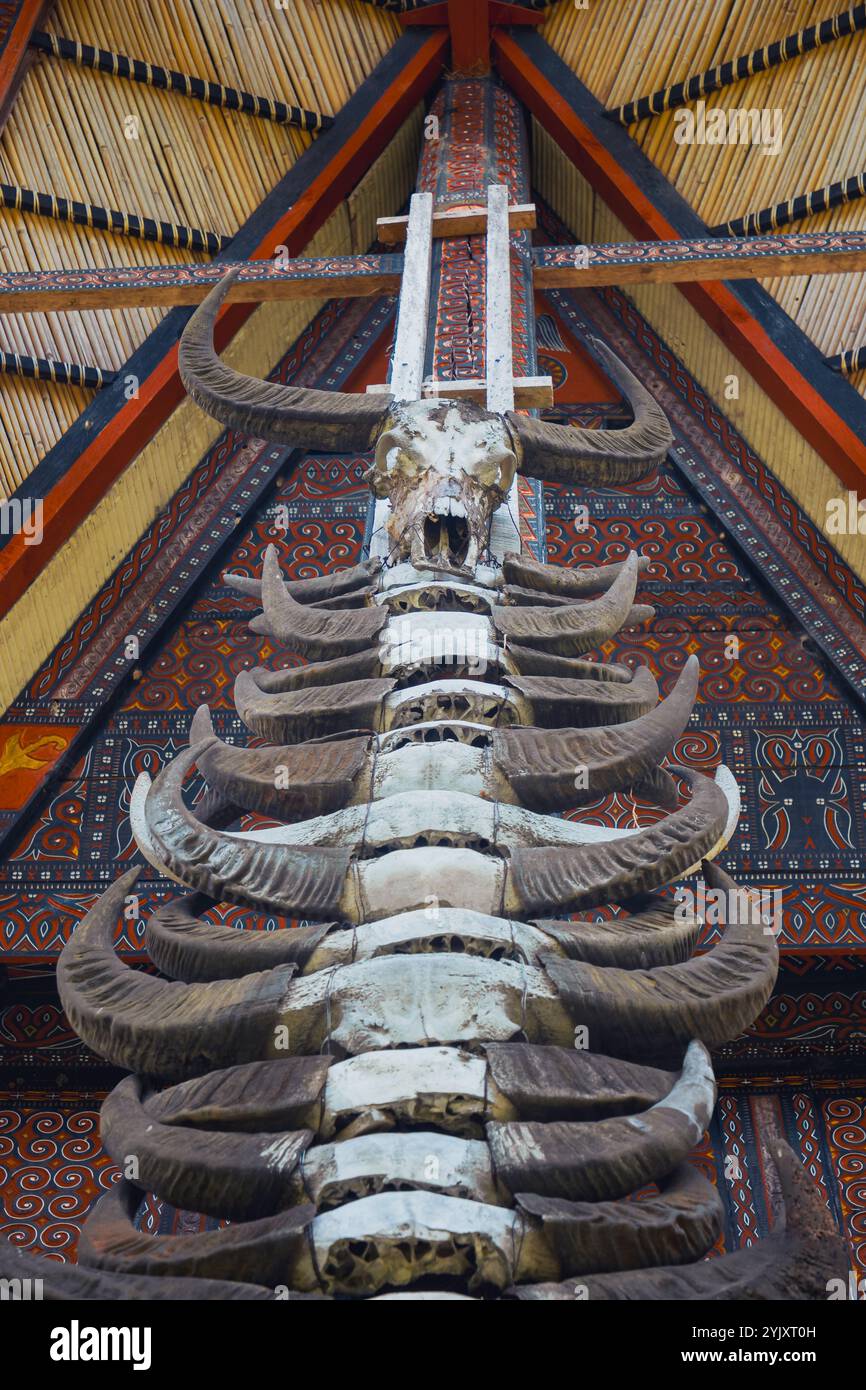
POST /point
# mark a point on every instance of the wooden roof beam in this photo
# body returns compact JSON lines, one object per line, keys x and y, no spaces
{"x":825,"y":408}
{"x":356,"y":277}
{"x":82,"y":467}
{"x":14,"y":50}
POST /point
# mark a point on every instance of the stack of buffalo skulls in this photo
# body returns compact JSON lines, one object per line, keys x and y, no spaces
{"x":447,"y":1086}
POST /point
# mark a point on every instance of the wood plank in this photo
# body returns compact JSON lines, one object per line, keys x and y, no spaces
{"x":521,"y":217}
{"x":698,"y":259}
{"x":501,"y":396}
{"x":498,"y":354}
{"x":14,"y":49}
{"x":500,"y":12}
{"x":354,"y":277}
{"x":79,"y":471}
{"x":410,"y":342}
{"x":469,"y":22}
{"x":307,"y":277}
{"x":529,"y":391}
{"x":820,"y":404}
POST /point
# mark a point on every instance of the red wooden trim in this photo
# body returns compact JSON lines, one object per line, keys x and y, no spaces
{"x":501,"y":12}
{"x":469,"y":23}
{"x":431,"y":16}
{"x":15,"y":50}
{"x":101,"y":462}
{"x":796,"y":396}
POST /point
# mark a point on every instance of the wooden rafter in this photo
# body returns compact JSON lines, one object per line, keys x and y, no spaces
{"x":825,"y":410}
{"x":79,"y":471}
{"x":14,"y":50}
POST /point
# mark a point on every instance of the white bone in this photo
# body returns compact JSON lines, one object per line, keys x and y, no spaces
{"x":412,"y":1001}
{"x":396,"y":1238}
{"x":434,"y":931}
{"x":398,"y":821}
{"x":371,"y":1163}
{"x":396,"y":576}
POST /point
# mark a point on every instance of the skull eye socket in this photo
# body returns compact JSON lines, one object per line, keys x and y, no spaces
{"x":393,"y":459}
{"x":497,"y":470}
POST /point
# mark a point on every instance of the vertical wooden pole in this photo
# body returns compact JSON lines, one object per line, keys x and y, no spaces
{"x":469,"y":22}
{"x":500,"y":371}
{"x":499,"y":361}
{"x":410,"y":343}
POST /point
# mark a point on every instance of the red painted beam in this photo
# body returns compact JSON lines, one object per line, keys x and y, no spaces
{"x":469,"y":24}
{"x":501,"y":12}
{"x":101,"y":462}
{"x":15,"y":41}
{"x":797,"y":397}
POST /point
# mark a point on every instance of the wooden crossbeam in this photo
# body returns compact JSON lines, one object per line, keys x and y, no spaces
{"x":339,"y":277}
{"x":462,"y":222}
{"x":529,"y":391}
{"x":704,"y":258}
{"x":500,"y":12}
{"x":355,"y":277}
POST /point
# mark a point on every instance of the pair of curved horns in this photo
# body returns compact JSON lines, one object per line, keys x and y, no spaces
{"x":332,"y":421}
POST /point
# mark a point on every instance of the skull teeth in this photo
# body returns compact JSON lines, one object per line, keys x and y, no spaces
{"x":448,"y":506}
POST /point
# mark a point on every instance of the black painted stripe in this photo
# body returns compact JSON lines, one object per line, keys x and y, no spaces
{"x":110,"y":220}
{"x":794,"y":209}
{"x":848,"y":362}
{"x":166,"y":79}
{"x":63,"y":373}
{"x":737,"y":69}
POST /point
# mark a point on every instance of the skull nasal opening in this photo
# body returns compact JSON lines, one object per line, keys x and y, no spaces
{"x":446,"y":538}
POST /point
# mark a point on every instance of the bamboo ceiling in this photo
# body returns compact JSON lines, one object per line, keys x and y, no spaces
{"x":625,"y":51}
{"x":192,"y":163}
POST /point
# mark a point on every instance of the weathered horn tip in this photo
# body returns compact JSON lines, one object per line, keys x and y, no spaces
{"x":126,"y":880}
{"x":273,"y":591}
{"x":716,"y":877}
{"x":803,"y":1210}
{"x":100,"y":920}
{"x":201,"y":726}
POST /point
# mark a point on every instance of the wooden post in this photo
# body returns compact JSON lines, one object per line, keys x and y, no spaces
{"x":499,"y":369}
{"x":469,"y":22}
{"x":410,"y":343}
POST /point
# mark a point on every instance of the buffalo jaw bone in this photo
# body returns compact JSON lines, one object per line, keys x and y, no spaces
{"x":331,"y":1174}
{"x":397,"y":1238}
{"x":444,"y":466}
{"x":415,"y":1001}
{"x":454,"y":929}
{"x":443,"y":1086}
